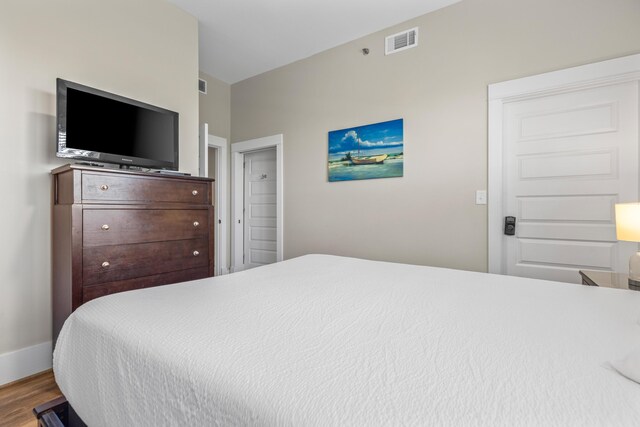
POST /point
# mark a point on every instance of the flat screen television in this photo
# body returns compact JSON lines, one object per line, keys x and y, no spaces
{"x":98,"y":126}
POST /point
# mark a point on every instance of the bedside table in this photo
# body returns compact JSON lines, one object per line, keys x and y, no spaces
{"x":606,"y":279}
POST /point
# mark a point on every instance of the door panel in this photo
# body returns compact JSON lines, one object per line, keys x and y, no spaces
{"x":568,"y":158}
{"x":561,"y":231}
{"x":566,"y":208}
{"x":260,"y":213}
{"x":577,"y":164}
{"x":569,"y":121}
{"x":566,"y":253}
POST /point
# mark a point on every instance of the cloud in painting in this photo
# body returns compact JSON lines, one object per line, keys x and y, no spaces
{"x":380,"y":144}
{"x":377,"y":136}
{"x":351,"y":141}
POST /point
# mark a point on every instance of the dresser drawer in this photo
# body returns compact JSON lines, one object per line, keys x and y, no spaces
{"x":93,"y":292}
{"x":126,"y":226}
{"x":105,"y":187}
{"x":101,"y":264}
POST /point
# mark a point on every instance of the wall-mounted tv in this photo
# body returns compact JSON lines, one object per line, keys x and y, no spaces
{"x":98,"y":126}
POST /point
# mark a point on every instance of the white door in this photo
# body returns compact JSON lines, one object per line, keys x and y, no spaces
{"x":212,"y":162}
{"x":260,"y":208}
{"x":568,"y":158}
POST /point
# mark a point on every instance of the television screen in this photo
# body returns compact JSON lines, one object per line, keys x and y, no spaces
{"x":99,"y":126}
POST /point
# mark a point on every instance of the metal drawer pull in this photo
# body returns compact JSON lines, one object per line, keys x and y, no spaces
{"x":104,"y":187}
{"x":194,"y":192}
{"x":196,"y":223}
{"x":196,"y":253}
{"x":105,"y":227}
{"x":105,"y":264}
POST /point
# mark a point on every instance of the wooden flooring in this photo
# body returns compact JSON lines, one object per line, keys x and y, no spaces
{"x":19,"y":398}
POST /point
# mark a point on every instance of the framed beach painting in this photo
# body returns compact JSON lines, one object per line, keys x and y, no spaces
{"x":367,"y":152}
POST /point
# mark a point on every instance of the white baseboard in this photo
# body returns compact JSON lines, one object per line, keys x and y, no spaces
{"x":24,"y":362}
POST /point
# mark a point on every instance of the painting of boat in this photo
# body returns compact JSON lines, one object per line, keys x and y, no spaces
{"x":367,"y":152}
{"x":369,"y":160}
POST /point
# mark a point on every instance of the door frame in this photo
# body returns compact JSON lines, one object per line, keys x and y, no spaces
{"x":220,"y":198}
{"x":238,"y":150}
{"x":597,"y":74}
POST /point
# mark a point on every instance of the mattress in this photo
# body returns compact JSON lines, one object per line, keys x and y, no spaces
{"x":322,"y":340}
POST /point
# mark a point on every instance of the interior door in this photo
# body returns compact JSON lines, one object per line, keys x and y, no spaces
{"x":568,"y":158}
{"x":260,"y":212}
{"x":212,"y":153}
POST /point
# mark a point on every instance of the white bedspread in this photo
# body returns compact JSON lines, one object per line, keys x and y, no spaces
{"x":323,"y":340}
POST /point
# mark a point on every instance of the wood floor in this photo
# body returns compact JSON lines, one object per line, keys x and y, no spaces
{"x":19,"y":398}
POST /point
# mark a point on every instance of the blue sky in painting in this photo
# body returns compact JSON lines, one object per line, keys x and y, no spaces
{"x":378,"y":135}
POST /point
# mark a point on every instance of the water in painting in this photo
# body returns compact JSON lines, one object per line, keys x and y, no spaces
{"x":366,"y":152}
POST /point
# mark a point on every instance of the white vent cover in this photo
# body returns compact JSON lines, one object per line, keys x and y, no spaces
{"x":401,"y":41}
{"x":202,"y":86}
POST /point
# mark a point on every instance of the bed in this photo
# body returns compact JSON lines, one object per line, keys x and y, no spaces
{"x":323,"y":340}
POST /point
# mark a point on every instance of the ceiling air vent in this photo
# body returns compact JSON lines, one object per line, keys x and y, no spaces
{"x":401,"y":41}
{"x":202,"y":86}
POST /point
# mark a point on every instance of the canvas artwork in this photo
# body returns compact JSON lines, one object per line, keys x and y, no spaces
{"x":366,"y":152}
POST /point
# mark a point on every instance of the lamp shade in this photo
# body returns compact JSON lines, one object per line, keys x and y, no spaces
{"x":628,"y":222}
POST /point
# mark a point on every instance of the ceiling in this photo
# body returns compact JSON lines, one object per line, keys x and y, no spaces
{"x":243,"y":38}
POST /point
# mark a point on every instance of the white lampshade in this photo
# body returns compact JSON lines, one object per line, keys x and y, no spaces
{"x":628,"y":221}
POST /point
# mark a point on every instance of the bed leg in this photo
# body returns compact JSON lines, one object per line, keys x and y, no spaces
{"x":57,"y":413}
{"x":53,"y":413}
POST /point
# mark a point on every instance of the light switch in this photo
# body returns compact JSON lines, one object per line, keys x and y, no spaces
{"x":481,"y":197}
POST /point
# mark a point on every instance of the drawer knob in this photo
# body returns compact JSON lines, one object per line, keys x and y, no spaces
{"x":194,"y":192}
{"x":105,"y":264}
{"x":196,"y":223}
{"x":104,"y":187}
{"x":105,"y":227}
{"x":196,"y":253}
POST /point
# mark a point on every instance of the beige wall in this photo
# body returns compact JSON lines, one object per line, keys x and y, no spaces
{"x":143,"y":49}
{"x":215,"y":106}
{"x":429,"y":216}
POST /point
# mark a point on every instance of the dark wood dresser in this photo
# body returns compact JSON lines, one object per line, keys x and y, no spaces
{"x":116,"y":230}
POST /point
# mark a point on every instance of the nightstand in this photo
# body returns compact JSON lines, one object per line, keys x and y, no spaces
{"x":606,"y":279}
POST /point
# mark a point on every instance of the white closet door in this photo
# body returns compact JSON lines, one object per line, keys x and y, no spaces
{"x":260,"y":213}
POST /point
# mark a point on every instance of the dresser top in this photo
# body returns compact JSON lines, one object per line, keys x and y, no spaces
{"x":75,"y":166}
{"x":607,"y":279}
